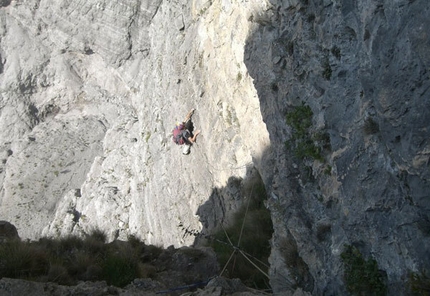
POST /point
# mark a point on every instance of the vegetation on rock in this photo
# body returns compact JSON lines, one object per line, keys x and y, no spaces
{"x":370,"y":126}
{"x":327,"y":71}
{"x":247,"y":238}
{"x":362,"y":277}
{"x":419,"y":283}
{"x":295,"y":263}
{"x":71,"y":259}
{"x":303,"y":143}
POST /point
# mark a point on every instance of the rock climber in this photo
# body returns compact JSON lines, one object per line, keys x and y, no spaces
{"x":183,"y":133}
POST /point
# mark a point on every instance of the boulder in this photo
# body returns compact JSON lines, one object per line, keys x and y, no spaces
{"x":7,"y":231}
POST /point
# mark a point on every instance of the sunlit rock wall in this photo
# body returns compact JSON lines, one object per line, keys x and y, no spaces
{"x":90,"y":92}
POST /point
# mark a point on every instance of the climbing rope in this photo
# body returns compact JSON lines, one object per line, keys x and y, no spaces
{"x":244,"y":218}
{"x":243,"y":225}
{"x":237,"y":248}
{"x":228,"y":261}
{"x":213,"y":168}
{"x":228,"y":238}
{"x":255,"y":265}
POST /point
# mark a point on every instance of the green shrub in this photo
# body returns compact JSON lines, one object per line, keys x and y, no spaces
{"x":322,"y":139}
{"x":70,"y":259}
{"x":69,"y":244}
{"x":79,"y":263}
{"x":328,"y":170}
{"x":94,"y":246}
{"x":419,"y":283}
{"x":370,"y":126}
{"x":95,"y":242}
{"x":150,"y":253}
{"x":22,"y":260}
{"x":59,"y":274}
{"x":302,"y":142}
{"x":254,"y":240}
{"x":98,"y":234}
{"x":327,"y":71}
{"x":307,"y":148}
{"x":119,"y":269}
{"x":361,"y":276}
{"x":300,"y":119}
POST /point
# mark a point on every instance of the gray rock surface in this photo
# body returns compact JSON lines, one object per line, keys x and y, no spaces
{"x":362,"y":67}
{"x":140,"y":287}
{"x":90,"y":91}
{"x":89,"y":103}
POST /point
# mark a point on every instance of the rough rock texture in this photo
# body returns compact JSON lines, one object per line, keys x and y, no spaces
{"x":362,"y":67}
{"x":90,"y":91}
{"x":89,"y":103}
{"x":144,"y":287}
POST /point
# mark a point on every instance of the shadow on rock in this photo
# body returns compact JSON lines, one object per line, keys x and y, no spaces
{"x":237,"y":225}
{"x":368,"y":184}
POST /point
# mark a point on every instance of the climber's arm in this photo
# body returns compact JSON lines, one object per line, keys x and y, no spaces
{"x":193,"y":138}
{"x":188,"y":117}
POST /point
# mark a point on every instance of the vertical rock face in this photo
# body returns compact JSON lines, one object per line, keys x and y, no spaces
{"x":90,"y":91}
{"x":362,"y":68}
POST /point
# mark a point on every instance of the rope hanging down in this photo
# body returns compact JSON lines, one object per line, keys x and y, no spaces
{"x":236,"y":248}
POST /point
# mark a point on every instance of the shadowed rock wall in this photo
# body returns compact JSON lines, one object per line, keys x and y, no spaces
{"x":362,"y":67}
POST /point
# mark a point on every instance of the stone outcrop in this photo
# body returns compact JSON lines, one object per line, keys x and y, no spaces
{"x":90,"y":91}
{"x":7,"y":231}
{"x":362,"y":68}
{"x":140,"y":287}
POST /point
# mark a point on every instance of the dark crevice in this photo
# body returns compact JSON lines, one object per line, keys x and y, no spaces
{"x":4,"y":3}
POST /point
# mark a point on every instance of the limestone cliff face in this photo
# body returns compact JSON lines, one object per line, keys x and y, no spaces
{"x":90,"y":91}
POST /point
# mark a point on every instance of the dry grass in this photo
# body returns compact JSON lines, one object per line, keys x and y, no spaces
{"x":71,"y":259}
{"x":254,"y":240}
